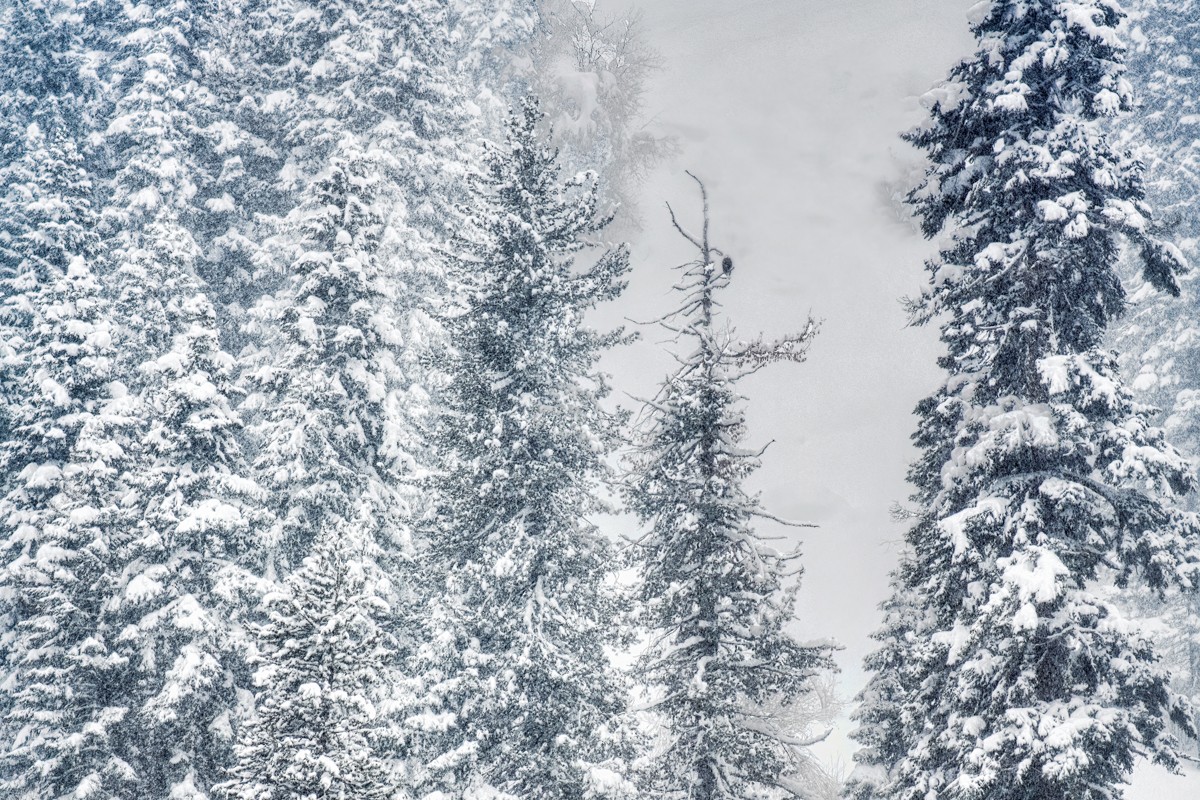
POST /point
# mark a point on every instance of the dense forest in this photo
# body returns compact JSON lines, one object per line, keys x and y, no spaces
{"x":308,"y":458}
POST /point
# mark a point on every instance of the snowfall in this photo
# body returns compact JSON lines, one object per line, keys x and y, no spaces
{"x":791,"y":110}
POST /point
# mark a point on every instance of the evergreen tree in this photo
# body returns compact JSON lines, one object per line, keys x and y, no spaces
{"x":240,"y":66}
{"x":187,"y":582}
{"x":397,"y":76}
{"x":191,"y":581}
{"x":42,"y":58}
{"x":1179,"y":647}
{"x":63,"y":462}
{"x":361,"y":82}
{"x":1039,"y":478}
{"x":361,"y":104}
{"x":715,"y":593}
{"x":326,"y":378}
{"x":320,"y":672}
{"x":488,"y":33}
{"x":41,"y":62}
{"x":1157,"y":338}
{"x":376,"y":71}
{"x":1162,"y":36}
{"x":521,"y":696}
{"x":323,"y":408}
{"x":882,"y":716}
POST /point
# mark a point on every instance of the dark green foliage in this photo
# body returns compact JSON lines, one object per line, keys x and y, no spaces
{"x":523,"y":608}
{"x":1004,"y":671}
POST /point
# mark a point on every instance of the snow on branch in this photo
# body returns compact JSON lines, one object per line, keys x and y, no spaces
{"x":793,"y":347}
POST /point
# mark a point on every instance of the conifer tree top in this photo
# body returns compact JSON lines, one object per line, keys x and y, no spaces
{"x":517,"y":654}
{"x":728,"y":676}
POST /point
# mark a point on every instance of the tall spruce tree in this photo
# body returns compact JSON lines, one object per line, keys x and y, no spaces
{"x":187,"y":581}
{"x":320,"y":408}
{"x":365,"y":119}
{"x":43,"y":57}
{"x":519,"y":687}
{"x":60,"y":425}
{"x":191,"y":580}
{"x":1005,"y":673}
{"x":1162,"y":36}
{"x":63,"y":460}
{"x":389,"y":82}
{"x":1158,"y":339}
{"x":42,"y":60}
{"x":716,"y":592}
{"x":365,"y":86}
{"x":488,"y":33}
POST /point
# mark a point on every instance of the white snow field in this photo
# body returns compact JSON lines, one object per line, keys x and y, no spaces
{"x":1151,"y":782}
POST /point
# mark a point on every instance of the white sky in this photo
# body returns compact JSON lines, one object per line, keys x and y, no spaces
{"x":790,"y":110}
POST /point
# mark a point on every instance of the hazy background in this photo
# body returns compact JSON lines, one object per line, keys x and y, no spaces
{"x":790,"y":110}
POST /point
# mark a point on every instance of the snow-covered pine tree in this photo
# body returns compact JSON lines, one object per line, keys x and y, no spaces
{"x":42,"y":56}
{"x":399,"y":78}
{"x":1172,"y":622}
{"x":1158,"y":339}
{"x":367,"y":80}
{"x":234,"y":151}
{"x":488,"y":33}
{"x":41,"y":59}
{"x":883,"y":720}
{"x":427,"y":127}
{"x":320,"y":412}
{"x":1008,"y":675}
{"x":195,"y":557}
{"x":65,"y":684}
{"x":321,"y":672}
{"x":401,"y":75}
{"x":369,"y":124}
{"x":520,"y":690}
{"x":1162,"y":68}
{"x":187,"y":582}
{"x":379,"y":71}
{"x":716,"y":592}
{"x":151,"y":139}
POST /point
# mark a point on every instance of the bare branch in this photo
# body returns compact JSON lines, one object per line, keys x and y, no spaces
{"x":788,"y":522}
{"x":682,"y":232}
{"x":704,"y":197}
{"x":758,"y":353}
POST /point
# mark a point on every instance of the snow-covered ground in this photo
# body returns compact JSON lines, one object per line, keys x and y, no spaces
{"x":1151,"y":782}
